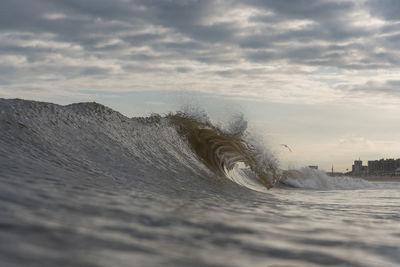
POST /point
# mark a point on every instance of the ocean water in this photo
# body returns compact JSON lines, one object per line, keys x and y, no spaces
{"x":82,"y":185}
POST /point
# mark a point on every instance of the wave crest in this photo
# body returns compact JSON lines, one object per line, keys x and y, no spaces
{"x":222,"y":151}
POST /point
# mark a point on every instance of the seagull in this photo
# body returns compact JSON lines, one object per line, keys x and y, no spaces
{"x":287,"y":147}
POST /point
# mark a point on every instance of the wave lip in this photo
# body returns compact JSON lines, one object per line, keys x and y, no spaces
{"x":222,"y":151}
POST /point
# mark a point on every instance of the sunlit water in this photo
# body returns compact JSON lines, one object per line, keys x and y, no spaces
{"x":108,"y":192}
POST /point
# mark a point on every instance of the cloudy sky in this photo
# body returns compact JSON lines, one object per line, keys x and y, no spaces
{"x":320,"y":76}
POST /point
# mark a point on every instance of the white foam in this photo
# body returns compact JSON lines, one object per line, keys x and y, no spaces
{"x":243,"y":176}
{"x":308,"y":178}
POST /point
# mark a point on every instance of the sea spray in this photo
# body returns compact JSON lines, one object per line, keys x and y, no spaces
{"x":308,"y":178}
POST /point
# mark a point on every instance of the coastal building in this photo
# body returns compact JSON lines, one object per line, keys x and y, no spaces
{"x":315,"y":167}
{"x":358,"y":169}
{"x":383,"y":167}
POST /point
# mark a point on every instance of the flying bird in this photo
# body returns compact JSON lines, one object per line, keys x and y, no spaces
{"x":287,"y":147}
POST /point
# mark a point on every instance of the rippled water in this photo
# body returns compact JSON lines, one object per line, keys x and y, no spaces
{"x":104,"y":193}
{"x":47,"y":222}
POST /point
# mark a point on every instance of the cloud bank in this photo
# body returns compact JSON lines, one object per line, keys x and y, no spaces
{"x":284,"y":51}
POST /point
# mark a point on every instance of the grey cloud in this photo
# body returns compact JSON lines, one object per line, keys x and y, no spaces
{"x":307,"y":9}
{"x":390,"y":27}
{"x":391,"y":87}
{"x":222,"y":32}
{"x":159,"y":35}
{"x":90,"y":71}
{"x":6,"y":71}
{"x":142,"y":57}
{"x":183,"y":70}
{"x":140,"y":68}
{"x":386,"y":9}
{"x":20,"y":14}
{"x":104,"y":9}
{"x":265,"y":18}
{"x":256,"y":41}
{"x":395,"y":38}
{"x":262,"y":56}
{"x":181,"y":14}
{"x":142,"y":39}
{"x":190,"y":45}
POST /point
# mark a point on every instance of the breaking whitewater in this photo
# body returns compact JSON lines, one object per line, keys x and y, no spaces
{"x":83,"y":185}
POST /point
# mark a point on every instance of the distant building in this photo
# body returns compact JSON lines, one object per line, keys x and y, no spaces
{"x":383,"y":167}
{"x":315,"y":167}
{"x":358,"y":169}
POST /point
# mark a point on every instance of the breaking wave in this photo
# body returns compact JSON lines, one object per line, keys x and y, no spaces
{"x":227,"y":152}
{"x":181,"y":150}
